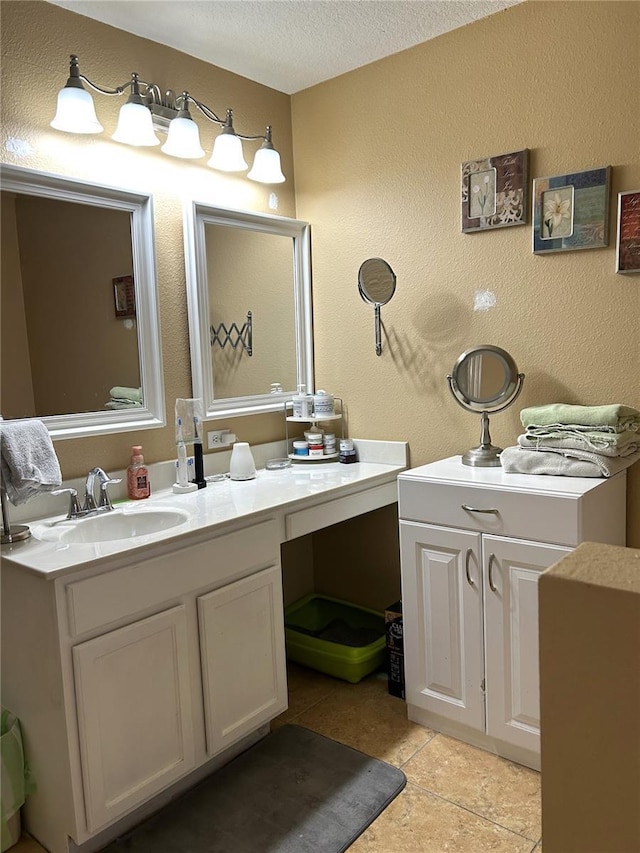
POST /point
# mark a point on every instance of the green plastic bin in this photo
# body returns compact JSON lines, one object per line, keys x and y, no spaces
{"x":16,"y":781}
{"x":335,"y":637}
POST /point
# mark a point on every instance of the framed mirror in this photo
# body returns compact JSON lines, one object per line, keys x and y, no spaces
{"x":80,"y":326}
{"x":485,"y":379}
{"x":249,"y":300}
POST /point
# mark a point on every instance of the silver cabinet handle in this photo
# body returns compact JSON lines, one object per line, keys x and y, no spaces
{"x":476,"y":509}
{"x":492,"y":586}
{"x":466,"y":567}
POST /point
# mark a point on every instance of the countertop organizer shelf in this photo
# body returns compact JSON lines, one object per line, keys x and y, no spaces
{"x":312,"y":419}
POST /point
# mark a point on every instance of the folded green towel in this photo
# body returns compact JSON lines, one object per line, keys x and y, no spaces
{"x":614,"y":416}
{"x":122,"y":392}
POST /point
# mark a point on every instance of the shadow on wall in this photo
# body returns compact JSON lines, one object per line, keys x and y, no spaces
{"x":441,"y":323}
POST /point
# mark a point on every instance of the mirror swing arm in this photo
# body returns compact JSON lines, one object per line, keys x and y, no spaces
{"x":234,"y":335}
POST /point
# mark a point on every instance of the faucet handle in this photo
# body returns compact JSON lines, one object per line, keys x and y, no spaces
{"x":104,"y":499}
{"x":74,"y":507}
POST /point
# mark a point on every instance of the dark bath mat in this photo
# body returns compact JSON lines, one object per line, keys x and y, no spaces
{"x":293,"y":792}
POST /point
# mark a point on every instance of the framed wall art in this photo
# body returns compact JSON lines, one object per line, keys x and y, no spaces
{"x":628,"y":233}
{"x":124,"y":296}
{"x":494,"y":191}
{"x":571,"y":211}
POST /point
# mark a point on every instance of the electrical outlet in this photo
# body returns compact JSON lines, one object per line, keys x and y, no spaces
{"x":214,"y":438}
{"x":219,"y":438}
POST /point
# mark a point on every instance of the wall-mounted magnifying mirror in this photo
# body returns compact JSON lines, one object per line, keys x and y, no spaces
{"x":485,"y":379}
{"x":249,"y":300}
{"x":80,"y":327}
{"x":376,"y":284}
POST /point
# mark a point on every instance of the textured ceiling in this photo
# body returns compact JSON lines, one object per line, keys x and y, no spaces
{"x":288,"y":45}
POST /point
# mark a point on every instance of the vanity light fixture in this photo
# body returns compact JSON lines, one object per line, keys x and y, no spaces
{"x":147,"y":111}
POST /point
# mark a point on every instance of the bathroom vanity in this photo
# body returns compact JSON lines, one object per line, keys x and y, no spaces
{"x":474,"y":542}
{"x":139,"y":666}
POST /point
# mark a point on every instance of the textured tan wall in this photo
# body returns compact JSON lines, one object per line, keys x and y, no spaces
{"x":37,"y":39}
{"x":377,"y":158}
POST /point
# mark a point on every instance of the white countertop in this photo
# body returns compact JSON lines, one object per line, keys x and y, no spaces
{"x":222,"y":504}
{"x":452,"y":470}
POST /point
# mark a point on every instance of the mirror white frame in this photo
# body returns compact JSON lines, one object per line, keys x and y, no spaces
{"x":140,"y":207}
{"x":196,"y":216}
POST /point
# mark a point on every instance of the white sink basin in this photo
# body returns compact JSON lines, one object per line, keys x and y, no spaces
{"x":112,"y":526}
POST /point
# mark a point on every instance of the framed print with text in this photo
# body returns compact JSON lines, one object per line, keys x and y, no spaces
{"x":628,"y":236}
{"x":494,"y":191}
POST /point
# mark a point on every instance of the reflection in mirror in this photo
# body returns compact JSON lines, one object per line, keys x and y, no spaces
{"x":80,"y":332}
{"x":376,"y":285}
{"x":485,"y":379}
{"x":249,"y":293}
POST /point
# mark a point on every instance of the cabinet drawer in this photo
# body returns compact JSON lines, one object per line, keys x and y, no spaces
{"x":540,"y":516}
{"x":103,"y":599}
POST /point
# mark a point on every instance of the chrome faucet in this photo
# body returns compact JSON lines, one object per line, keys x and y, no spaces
{"x":89,"y":506}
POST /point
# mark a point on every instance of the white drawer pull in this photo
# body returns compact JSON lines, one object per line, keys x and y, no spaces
{"x":475,"y":509}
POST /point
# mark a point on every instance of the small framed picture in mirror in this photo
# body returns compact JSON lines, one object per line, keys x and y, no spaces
{"x":124,"y":296}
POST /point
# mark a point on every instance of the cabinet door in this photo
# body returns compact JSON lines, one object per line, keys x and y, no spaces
{"x":442,"y":605}
{"x":243,"y":657}
{"x":134,"y":713}
{"x":511,"y":571}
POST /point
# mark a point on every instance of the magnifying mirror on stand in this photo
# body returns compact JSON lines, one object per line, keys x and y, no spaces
{"x":376,"y":284}
{"x":485,"y":379}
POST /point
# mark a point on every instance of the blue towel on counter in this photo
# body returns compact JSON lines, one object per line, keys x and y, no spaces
{"x":29,"y":462}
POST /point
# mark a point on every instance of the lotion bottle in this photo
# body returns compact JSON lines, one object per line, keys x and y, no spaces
{"x":138,"y":484}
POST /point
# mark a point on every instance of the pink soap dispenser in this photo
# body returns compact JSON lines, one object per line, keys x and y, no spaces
{"x":138,"y":484}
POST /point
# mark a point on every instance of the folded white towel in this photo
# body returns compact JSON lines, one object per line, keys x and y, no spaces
{"x":29,"y":462}
{"x":563,"y":462}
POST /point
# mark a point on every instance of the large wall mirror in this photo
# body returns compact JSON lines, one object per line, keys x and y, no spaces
{"x":249,"y":297}
{"x":80,"y":328}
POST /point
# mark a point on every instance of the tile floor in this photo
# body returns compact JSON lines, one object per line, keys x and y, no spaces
{"x":458,"y":799}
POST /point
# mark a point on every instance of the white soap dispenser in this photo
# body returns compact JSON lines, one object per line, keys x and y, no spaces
{"x":302,"y":403}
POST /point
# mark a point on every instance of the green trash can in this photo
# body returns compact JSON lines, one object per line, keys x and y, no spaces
{"x":16,"y":779}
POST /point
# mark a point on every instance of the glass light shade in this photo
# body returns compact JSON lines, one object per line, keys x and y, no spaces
{"x":135,"y":126}
{"x":76,"y":112}
{"x":227,"y":154}
{"x":266,"y":167}
{"x":183,"y":139}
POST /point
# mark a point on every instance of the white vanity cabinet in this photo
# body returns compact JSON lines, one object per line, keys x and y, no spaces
{"x":151,"y":670}
{"x":473,"y":544}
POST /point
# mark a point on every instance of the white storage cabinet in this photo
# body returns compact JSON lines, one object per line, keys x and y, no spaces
{"x":473,"y":544}
{"x":155,"y":667}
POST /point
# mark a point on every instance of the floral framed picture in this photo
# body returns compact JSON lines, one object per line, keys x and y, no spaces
{"x":628,"y":233}
{"x":571,"y":211}
{"x":124,"y":296}
{"x":494,"y":191}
